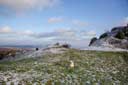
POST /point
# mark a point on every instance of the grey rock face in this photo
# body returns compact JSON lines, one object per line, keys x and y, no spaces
{"x":116,"y":38}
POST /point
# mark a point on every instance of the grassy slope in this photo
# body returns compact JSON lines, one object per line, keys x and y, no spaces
{"x":91,"y":68}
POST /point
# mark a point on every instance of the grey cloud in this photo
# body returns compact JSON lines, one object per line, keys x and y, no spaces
{"x":44,"y":35}
{"x":5,"y":29}
{"x":21,"y":5}
{"x":56,"y":33}
{"x":89,"y":33}
{"x":66,"y":34}
{"x":79,"y":23}
{"x":55,"y":19}
{"x":9,"y":30}
{"x":60,"y":35}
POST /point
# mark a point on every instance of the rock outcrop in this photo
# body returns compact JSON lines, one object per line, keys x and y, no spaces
{"x":116,"y":38}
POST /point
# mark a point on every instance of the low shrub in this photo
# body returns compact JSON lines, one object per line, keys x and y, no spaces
{"x":7,"y":53}
{"x":103,"y":35}
{"x":66,"y":45}
{"x":113,"y":29}
{"x":92,"y":41}
{"x":120,"y":35}
{"x":125,"y":57}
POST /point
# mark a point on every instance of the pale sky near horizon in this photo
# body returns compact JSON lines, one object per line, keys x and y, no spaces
{"x":41,"y":22}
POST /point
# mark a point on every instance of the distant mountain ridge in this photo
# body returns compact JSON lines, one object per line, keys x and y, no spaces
{"x":116,"y":38}
{"x":22,"y":46}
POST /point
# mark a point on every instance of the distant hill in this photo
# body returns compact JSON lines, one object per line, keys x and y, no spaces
{"x":20,"y":46}
{"x":116,"y":38}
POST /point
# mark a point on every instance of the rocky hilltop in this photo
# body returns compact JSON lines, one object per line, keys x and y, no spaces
{"x":116,"y":38}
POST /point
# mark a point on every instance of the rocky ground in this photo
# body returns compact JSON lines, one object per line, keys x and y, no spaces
{"x":51,"y":68}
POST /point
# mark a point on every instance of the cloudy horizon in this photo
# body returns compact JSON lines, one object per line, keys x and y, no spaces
{"x":42,"y":22}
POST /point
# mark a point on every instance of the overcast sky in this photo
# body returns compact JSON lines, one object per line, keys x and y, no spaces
{"x":41,"y":22}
